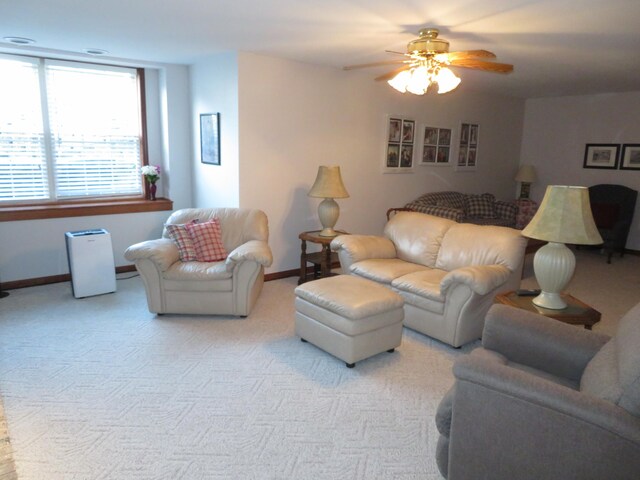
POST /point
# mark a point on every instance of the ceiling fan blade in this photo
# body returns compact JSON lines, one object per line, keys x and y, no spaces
{"x":373,"y":64}
{"x":471,"y":54}
{"x":482,"y":65}
{"x":391,"y":74}
{"x":397,"y":53}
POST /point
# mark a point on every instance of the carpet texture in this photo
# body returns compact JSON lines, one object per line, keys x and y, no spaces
{"x":100,"y":388}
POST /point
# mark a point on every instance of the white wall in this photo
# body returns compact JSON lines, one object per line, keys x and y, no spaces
{"x":36,"y":248}
{"x":214,"y":89}
{"x":556,"y":131}
{"x":295,"y":117}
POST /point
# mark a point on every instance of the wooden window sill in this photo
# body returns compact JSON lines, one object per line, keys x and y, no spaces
{"x":62,"y":210}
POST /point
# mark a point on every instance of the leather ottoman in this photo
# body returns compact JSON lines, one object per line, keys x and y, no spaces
{"x":349,"y":317}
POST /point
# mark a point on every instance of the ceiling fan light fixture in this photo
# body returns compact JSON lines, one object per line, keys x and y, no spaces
{"x":446,"y":80}
{"x":419,"y":81}
{"x":399,"y":82}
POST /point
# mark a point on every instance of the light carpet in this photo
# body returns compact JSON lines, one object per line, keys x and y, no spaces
{"x":100,"y":388}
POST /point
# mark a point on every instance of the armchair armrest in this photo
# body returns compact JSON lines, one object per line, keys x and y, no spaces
{"x":162,"y":252}
{"x":540,"y":342}
{"x":254,"y":250}
{"x":354,"y":248}
{"x":544,"y":394}
{"x":451,"y":213}
{"x":481,"y":278}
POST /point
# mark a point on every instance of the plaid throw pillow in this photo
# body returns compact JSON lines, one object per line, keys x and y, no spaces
{"x":482,"y":206}
{"x":207,"y":240}
{"x":182,"y":239}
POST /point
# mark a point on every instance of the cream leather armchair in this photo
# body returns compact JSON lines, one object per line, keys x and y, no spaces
{"x":448,"y":273}
{"x":229,"y":287}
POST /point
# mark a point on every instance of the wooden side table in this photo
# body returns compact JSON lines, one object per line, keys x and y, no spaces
{"x":321,"y":260}
{"x":576,"y":313}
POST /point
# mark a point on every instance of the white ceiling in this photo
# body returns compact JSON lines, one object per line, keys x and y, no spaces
{"x":558,"y":47}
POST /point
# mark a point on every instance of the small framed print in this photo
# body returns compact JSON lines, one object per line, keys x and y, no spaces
{"x":399,"y":146}
{"x":429,"y":154}
{"x":435,"y":146}
{"x":395,"y":128}
{"x":210,"y":138}
{"x":601,"y":155}
{"x":393,"y":156}
{"x":468,"y":147}
{"x":407,"y":131}
{"x":630,"y":159}
{"x":406,"y":156}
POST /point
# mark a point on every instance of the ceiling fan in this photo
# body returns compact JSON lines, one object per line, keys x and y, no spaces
{"x":427,"y":61}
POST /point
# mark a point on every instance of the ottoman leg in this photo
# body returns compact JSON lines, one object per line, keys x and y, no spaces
{"x":391,"y":350}
{"x":350,"y":365}
{"x":303,"y":340}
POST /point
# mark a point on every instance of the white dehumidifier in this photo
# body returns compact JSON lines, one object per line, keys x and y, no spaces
{"x":91,"y":263}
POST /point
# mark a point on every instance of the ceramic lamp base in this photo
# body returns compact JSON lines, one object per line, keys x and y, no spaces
{"x":553,"y":265}
{"x":328,"y":211}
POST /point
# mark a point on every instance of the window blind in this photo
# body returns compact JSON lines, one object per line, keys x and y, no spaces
{"x":23,"y":163}
{"x":95,"y":129}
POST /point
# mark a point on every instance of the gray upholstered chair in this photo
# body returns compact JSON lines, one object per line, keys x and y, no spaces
{"x":227,"y":287}
{"x":544,"y":400}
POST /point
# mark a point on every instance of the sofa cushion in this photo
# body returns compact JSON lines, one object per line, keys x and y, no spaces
{"x":481,"y":206}
{"x":417,"y":236}
{"x":465,"y":244}
{"x":207,"y":240}
{"x":197,"y":271}
{"x":424,"y":283}
{"x":384,"y":270}
{"x":182,"y":239}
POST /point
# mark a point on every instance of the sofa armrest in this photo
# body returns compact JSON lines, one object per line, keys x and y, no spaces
{"x":451,"y":213}
{"x":354,"y":248}
{"x":540,"y":342}
{"x":254,"y":250}
{"x":162,"y":252}
{"x":480,"y":278}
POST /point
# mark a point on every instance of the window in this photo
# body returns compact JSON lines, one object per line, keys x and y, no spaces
{"x":68,"y":131}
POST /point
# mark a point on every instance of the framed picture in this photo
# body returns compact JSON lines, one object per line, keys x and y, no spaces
{"x":435,"y":146}
{"x":601,"y":155}
{"x":630,"y":156}
{"x":210,"y":138}
{"x":395,"y":127}
{"x":393,"y":155}
{"x":468,"y":147}
{"x":407,"y":131}
{"x":399,"y":145}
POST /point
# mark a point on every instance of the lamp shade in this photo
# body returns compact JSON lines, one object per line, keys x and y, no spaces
{"x":328,"y":183}
{"x":564,"y":216}
{"x":526,"y":174}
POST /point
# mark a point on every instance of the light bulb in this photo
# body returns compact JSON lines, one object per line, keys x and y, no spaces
{"x":399,"y":82}
{"x":419,"y":81}
{"x":446,"y":80}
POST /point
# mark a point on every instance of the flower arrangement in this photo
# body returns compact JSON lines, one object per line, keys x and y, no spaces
{"x":151,"y":173}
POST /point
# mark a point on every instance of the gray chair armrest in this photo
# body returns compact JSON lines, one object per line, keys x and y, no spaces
{"x":545,"y":394}
{"x":540,"y":342}
{"x":162,"y":252}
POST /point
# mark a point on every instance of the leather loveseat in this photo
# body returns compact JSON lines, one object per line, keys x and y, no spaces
{"x":448,"y":273}
{"x":481,"y":209}
{"x":227,"y":287}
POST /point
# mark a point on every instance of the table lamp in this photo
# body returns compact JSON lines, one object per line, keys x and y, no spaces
{"x":328,"y":185}
{"x":526,"y":176}
{"x":563,"y":217}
